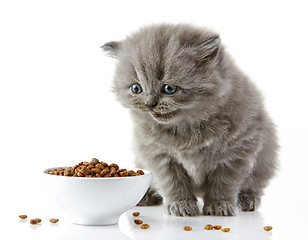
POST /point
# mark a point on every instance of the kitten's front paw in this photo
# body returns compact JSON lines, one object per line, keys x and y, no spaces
{"x":248,"y":202}
{"x":220,"y":208}
{"x":183,"y":208}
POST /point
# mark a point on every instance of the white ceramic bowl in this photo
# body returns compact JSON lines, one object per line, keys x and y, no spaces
{"x":97,"y":201}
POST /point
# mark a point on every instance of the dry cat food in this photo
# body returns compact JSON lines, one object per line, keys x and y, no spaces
{"x":54,"y":220}
{"x":138,"y":221}
{"x":136,"y":214}
{"x":95,"y":168}
{"x":225,"y":229}
{"x":208,"y":227}
{"x":35,"y":221}
{"x":217,"y":227}
{"x":267,"y":228}
{"x":144,"y":226}
{"x":187,"y":228}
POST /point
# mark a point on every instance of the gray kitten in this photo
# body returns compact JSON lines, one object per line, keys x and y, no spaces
{"x":200,"y":124}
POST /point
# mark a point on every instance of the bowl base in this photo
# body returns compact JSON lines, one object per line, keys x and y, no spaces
{"x":94,"y":221}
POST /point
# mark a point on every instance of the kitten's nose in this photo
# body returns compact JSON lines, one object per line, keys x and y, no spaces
{"x":151,"y":105}
{"x":151,"y":100}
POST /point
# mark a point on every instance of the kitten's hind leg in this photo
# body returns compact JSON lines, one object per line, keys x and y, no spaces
{"x":249,"y":200}
{"x":151,"y":198}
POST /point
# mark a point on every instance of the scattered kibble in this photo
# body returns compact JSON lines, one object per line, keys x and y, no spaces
{"x":54,"y":220}
{"x":268,"y":228}
{"x":217,"y":227}
{"x":136,"y":214}
{"x":226,"y":229}
{"x":144,"y":226}
{"x":208,"y":227}
{"x":34,"y":221}
{"x":138,"y":221}
{"x":94,"y":168}
{"x":187,"y":228}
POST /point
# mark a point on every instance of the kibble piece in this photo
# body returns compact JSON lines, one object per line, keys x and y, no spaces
{"x":112,"y":171}
{"x":144,"y":226}
{"x":68,"y":169}
{"x":187,"y":228}
{"x":91,"y":166}
{"x":84,"y":170}
{"x":54,"y":220}
{"x":268,"y":228}
{"x":217,"y":227}
{"x":104,"y":172}
{"x":121,"y":170}
{"x":114,"y":166}
{"x":140,"y":172}
{"x":131,"y":173}
{"x":136,"y":214}
{"x":23,"y":216}
{"x":34,"y":221}
{"x":94,"y":161}
{"x":79,"y":174}
{"x":38,"y":220}
{"x":105,"y":164}
{"x":138,"y":221}
{"x":100,"y":166}
{"x":225,"y":229}
{"x":96,"y":170}
{"x":208,"y":227}
{"x":78,"y":168}
{"x":124,"y":174}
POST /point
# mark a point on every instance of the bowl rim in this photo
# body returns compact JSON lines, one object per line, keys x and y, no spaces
{"x":146,"y":173}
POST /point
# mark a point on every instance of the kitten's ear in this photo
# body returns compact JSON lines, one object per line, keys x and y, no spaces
{"x":210,"y":48}
{"x":111,"y":48}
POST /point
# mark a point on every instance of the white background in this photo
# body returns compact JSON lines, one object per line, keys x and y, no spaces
{"x":56,"y":107}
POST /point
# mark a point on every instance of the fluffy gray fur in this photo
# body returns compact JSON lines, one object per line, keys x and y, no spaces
{"x":211,"y":138}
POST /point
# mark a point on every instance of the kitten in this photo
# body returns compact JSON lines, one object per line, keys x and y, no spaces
{"x":199,"y":123}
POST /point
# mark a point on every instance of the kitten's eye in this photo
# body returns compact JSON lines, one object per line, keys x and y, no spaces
{"x":136,"y":88}
{"x":170,"y":89}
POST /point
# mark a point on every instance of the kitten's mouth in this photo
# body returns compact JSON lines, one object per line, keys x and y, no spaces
{"x":159,"y":115}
